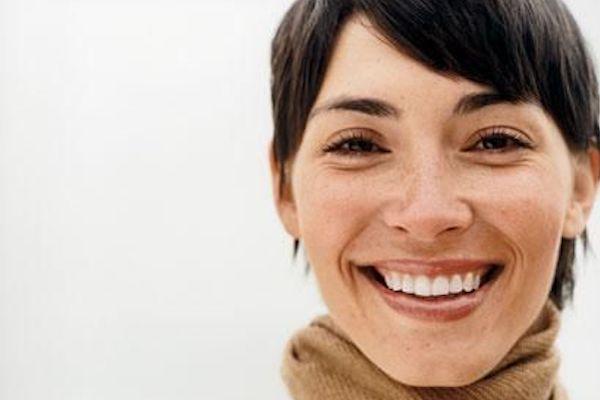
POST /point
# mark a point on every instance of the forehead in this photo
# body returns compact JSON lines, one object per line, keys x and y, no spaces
{"x":364,"y":63}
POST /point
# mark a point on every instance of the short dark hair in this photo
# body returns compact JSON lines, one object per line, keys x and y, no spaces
{"x":527,"y":50}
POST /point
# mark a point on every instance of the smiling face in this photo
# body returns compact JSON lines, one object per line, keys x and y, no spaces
{"x":399,"y":162}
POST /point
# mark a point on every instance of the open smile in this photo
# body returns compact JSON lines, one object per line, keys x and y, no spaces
{"x":439,"y":298}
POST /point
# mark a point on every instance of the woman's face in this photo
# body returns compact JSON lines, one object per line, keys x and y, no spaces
{"x":420,"y":178}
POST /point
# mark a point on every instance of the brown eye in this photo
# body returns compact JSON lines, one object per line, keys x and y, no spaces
{"x":500,"y":141}
{"x":357,"y":146}
{"x":353,"y":145}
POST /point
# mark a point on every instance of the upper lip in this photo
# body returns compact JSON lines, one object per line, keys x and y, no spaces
{"x":432,"y":268}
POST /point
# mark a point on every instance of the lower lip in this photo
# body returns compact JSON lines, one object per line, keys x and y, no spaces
{"x":437,"y":309}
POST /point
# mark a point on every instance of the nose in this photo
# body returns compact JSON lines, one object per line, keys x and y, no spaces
{"x":427,"y":203}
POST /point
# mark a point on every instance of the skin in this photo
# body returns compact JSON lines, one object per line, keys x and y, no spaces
{"x":435,"y":193}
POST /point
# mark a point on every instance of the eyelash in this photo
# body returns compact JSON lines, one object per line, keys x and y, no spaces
{"x":360,"y":137}
{"x":353,"y":137}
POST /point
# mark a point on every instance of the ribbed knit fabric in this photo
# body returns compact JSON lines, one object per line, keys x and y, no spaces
{"x":320,"y":362}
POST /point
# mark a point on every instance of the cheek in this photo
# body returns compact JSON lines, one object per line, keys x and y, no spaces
{"x":522,"y":211}
{"x":527,"y":210}
{"x":332,"y":209}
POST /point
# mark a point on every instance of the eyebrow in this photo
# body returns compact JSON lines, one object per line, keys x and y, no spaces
{"x":383,"y":109}
{"x":476,"y":101}
{"x":365,"y":105}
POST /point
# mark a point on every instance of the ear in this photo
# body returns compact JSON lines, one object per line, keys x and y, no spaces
{"x":586,"y":169}
{"x":284,"y":201}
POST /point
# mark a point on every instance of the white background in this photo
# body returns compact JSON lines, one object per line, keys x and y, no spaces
{"x":140,"y":253}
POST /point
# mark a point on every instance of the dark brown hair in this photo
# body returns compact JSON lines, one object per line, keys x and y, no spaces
{"x":527,"y":50}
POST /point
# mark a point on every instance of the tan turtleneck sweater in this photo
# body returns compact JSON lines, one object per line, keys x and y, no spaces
{"x":320,"y":362}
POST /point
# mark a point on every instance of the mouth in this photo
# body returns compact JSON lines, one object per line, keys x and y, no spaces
{"x":487,"y":277}
{"x":439,"y":298}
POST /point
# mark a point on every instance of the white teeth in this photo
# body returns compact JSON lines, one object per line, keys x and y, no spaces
{"x":394,"y":281}
{"x":422,"y":286}
{"x":468,"y":282}
{"x":408,"y":285}
{"x":440,"y":286}
{"x":456,"y":284}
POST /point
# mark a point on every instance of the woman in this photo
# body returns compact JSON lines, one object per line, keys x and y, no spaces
{"x":437,"y":160}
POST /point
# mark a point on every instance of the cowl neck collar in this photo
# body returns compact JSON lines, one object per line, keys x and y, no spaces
{"x":321,"y":362}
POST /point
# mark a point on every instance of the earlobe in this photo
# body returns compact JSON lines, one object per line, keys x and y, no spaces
{"x":574,"y":223}
{"x":585,"y":184}
{"x":284,"y":199}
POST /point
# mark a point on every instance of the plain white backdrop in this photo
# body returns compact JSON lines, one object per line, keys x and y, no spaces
{"x":140,"y":252}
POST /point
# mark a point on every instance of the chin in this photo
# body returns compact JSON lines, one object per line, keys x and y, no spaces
{"x":435,"y":376}
{"x":425,"y":380}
